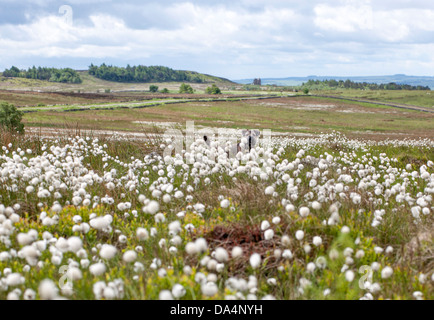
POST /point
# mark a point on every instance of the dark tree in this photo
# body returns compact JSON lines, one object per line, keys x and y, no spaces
{"x":143,"y":74}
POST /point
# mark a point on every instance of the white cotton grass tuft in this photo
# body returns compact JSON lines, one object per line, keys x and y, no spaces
{"x":29,"y":294}
{"x":349,"y":275}
{"x":316,"y":205}
{"x":221,"y":255}
{"x":165,"y":295}
{"x":269,"y":190}
{"x":152,"y":207}
{"x":299,"y":235}
{"x":269,"y":234}
{"x":304,"y":212}
{"x":387,"y":272}
{"x":287,"y":254}
{"x":310,"y":267}
{"x":101,"y":223}
{"x":321,"y":262}
{"x":129,"y":256}
{"x":317,"y":241}
{"x":142,"y":234}
{"x":201,"y":245}
{"x":97,"y":269}
{"x":265,"y":225}
{"x":276,"y":220}
{"x":345,"y":229}
{"x":237,"y":252}
{"x":209,"y":289}
{"x":286,"y":240}
{"x":178,"y":291}
{"x":74,"y":244}
{"x":47,"y":290}
{"x":174,"y":227}
{"x":24,"y":239}
{"x":255,"y":260}
{"x":14,"y":279}
{"x":191,"y":248}
{"x":108,"y":251}
{"x":224,"y":203}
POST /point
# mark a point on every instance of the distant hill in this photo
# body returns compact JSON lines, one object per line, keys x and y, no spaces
{"x":134,"y":74}
{"x":149,"y":74}
{"x":397,"y":78}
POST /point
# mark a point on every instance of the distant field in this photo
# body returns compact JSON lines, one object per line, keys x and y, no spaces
{"x":417,"y":98}
{"x":297,"y":114}
{"x":291,"y":114}
{"x":94,"y":85}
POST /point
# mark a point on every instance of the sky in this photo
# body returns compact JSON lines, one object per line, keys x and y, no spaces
{"x":234,"y":39}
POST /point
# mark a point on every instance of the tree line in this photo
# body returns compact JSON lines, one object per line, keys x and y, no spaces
{"x":66,"y":75}
{"x":348,"y":84}
{"x":142,"y":74}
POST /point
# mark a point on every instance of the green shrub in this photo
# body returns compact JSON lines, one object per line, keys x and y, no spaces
{"x":10,"y":117}
{"x":213,"y":90}
{"x":165,"y":90}
{"x":185,"y":88}
{"x":153,"y":88}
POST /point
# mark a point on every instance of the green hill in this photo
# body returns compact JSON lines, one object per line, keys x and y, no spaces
{"x":149,"y":74}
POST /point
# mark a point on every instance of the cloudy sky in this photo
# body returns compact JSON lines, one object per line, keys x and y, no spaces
{"x":230,"y":38}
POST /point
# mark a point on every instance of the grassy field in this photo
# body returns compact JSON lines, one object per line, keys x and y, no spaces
{"x":291,"y":114}
{"x":139,"y":90}
{"x":413,"y":97}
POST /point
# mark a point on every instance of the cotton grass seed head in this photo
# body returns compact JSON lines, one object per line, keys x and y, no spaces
{"x":265,"y":225}
{"x":97,"y":269}
{"x":224,"y":203}
{"x":317,"y":241}
{"x":255,"y":260}
{"x":129,"y":256}
{"x":349,"y":275}
{"x":178,"y":291}
{"x":221,"y":255}
{"x":209,"y":289}
{"x":237,"y":252}
{"x":269,"y":234}
{"x":299,"y":235}
{"x":47,"y":290}
{"x":304,"y":212}
{"x":108,"y":251}
{"x":165,"y":295}
{"x":387,"y":272}
{"x":142,"y":234}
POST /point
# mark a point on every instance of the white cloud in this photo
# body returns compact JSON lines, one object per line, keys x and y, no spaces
{"x":204,"y":29}
{"x":348,"y":18}
{"x":235,"y":39}
{"x":403,"y":24}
